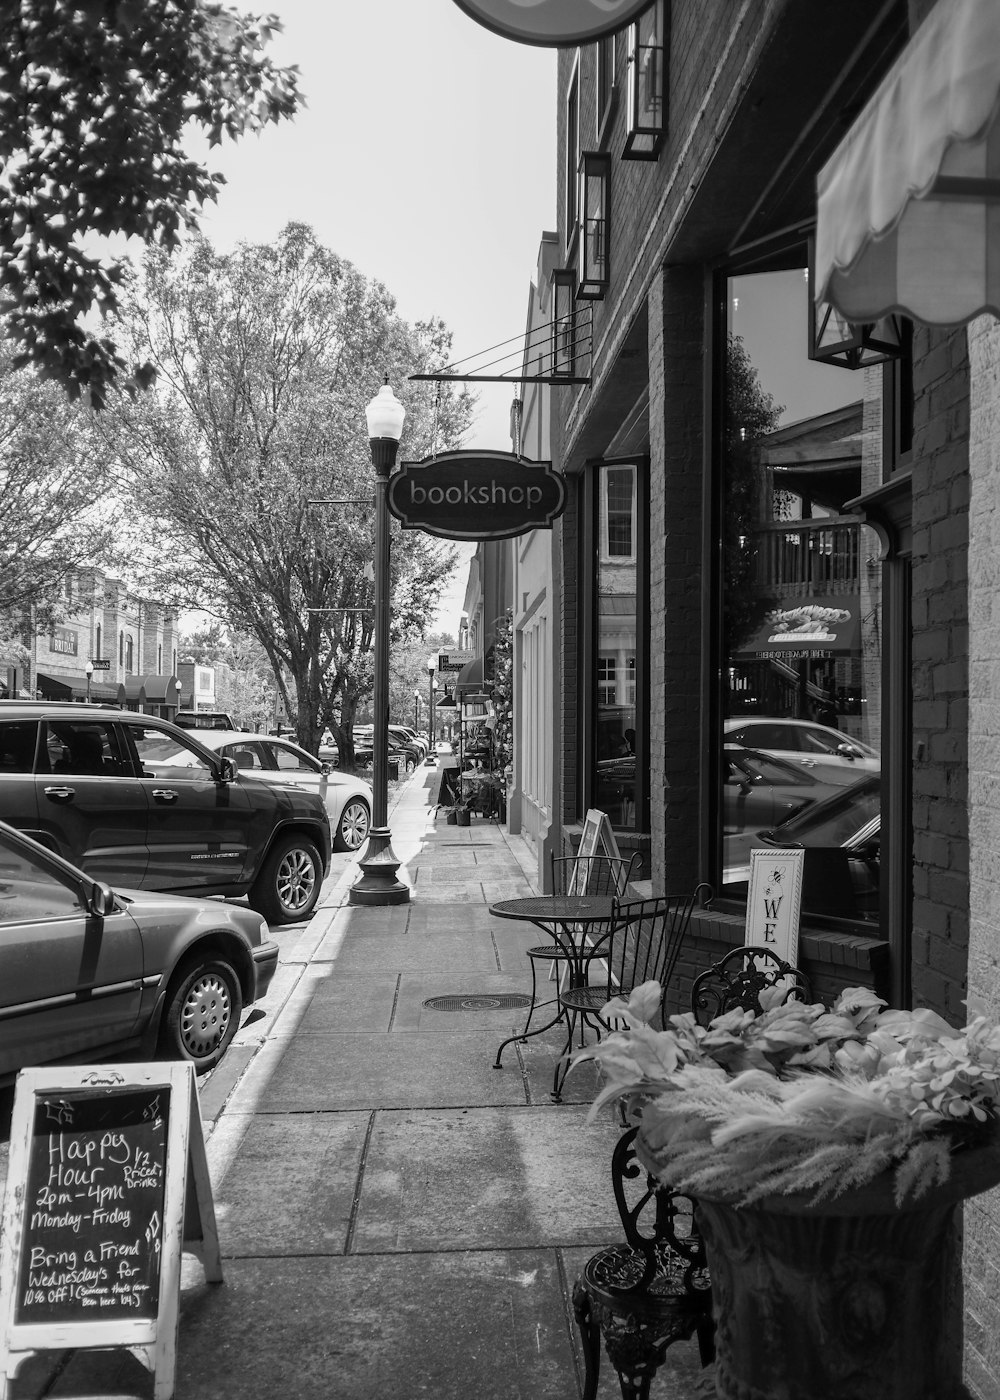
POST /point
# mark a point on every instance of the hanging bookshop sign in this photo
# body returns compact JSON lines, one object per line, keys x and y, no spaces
{"x":476,"y":495}
{"x":553,"y":23}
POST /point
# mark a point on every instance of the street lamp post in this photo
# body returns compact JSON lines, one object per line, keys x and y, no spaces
{"x":416,"y":711}
{"x":378,"y":882}
{"x":89,"y":671}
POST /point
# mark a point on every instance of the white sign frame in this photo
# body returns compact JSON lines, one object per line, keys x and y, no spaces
{"x":774,"y":900}
{"x":188,"y":1222}
{"x":597,"y":839}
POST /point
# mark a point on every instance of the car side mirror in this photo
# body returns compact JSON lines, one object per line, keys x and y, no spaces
{"x":848,"y":751}
{"x":102,"y":900}
{"x":325,"y":769}
{"x":226,"y":770}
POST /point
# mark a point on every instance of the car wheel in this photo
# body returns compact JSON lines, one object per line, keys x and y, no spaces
{"x":410,"y":765}
{"x":352,"y":829}
{"x":204,"y":1006}
{"x":287,"y":888}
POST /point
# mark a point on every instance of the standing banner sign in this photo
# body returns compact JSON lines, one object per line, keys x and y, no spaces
{"x":108,"y":1183}
{"x":597,"y":839}
{"x":775,"y":900}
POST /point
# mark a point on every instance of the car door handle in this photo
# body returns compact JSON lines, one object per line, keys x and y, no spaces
{"x":60,"y":794}
{"x":164,"y":795}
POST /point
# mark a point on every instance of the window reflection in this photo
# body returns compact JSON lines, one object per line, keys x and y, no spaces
{"x":615,"y":669}
{"x":802,"y":599}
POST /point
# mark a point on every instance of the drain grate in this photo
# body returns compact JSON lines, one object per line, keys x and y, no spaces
{"x":479,"y":1001}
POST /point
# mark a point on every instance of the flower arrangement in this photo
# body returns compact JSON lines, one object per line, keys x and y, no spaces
{"x":799,"y":1098}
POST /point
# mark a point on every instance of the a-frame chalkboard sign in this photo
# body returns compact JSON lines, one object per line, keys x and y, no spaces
{"x":108,"y":1184}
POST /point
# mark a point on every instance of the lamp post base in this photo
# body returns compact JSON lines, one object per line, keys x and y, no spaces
{"x":378,"y":883}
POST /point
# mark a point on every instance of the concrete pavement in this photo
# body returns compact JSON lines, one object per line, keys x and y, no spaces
{"x":397,"y":1218}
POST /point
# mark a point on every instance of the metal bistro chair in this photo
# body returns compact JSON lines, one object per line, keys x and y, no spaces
{"x":594,"y":875}
{"x":646,"y":1294}
{"x":738,"y":979}
{"x":642,"y":945}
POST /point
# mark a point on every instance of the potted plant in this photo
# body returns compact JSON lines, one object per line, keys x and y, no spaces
{"x":828,"y":1152}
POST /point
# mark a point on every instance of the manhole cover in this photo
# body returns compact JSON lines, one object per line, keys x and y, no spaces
{"x":479,"y":1001}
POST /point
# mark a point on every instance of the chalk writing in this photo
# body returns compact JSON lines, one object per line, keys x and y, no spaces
{"x":93,"y":1206}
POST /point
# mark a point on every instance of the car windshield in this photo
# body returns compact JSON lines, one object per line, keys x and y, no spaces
{"x":836,"y":820}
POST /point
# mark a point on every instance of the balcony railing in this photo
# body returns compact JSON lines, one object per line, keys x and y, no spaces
{"x":794,"y":559}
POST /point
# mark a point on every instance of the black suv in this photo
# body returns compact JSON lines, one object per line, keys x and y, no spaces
{"x":137,"y":801}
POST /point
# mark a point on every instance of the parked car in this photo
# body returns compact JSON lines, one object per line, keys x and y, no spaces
{"x":407,"y":755}
{"x":759,"y":790}
{"x":407,"y":734}
{"x":348,"y":799}
{"x":86,"y":969}
{"x":135,"y":801}
{"x":841,"y":758}
{"x":204,"y":719}
{"x":841,"y":836}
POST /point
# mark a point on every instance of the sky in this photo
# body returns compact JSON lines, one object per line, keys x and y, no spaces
{"x":425,"y":156}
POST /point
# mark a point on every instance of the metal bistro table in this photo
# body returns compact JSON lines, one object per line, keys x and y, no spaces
{"x":574,"y":923}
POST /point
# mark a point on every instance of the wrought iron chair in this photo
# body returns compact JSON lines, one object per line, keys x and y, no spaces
{"x":594,"y":875}
{"x":642,"y":945}
{"x":738,"y":979}
{"x":646,"y":1294}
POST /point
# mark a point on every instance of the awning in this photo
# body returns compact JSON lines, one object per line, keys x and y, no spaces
{"x":471,"y":677}
{"x":55,"y":688}
{"x":160,"y":690}
{"x":908,"y":207}
{"x":811,"y":629}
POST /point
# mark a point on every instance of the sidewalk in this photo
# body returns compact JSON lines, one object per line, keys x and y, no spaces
{"x":397,"y":1218}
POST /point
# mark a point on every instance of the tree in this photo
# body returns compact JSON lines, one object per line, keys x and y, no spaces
{"x":244,"y":686}
{"x":56,"y":498}
{"x":95,"y":96}
{"x":266,"y":359}
{"x":749,"y":414}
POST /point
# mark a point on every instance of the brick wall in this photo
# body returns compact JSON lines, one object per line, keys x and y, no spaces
{"x":940,"y":671}
{"x":982,"y":1214}
{"x":676,"y":391}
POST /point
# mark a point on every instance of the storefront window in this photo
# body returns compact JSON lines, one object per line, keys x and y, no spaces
{"x":616,"y":588}
{"x":802,"y":630}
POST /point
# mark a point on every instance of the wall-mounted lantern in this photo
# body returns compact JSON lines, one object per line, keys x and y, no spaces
{"x":646,"y":118}
{"x":594,"y":254}
{"x":563,"y":321}
{"x":834,"y":340}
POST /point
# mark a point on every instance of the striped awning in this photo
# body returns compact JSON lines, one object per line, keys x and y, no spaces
{"x":908,"y":207}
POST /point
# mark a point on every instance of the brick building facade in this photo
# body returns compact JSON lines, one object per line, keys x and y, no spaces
{"x":686,"y":264}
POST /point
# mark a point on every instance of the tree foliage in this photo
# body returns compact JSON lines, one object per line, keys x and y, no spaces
{"x":56,"y":504}
{"x":265,"y":360}
{"x":95,"y":96}
{"x":749,"y":414}
{"x":244,"y":686}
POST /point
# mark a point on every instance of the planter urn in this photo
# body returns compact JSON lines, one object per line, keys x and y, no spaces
{"x":848,"y":1299}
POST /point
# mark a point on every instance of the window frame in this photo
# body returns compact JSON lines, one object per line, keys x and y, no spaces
{"x":571,"y":156}
{"x":605,"y":88}
{"x":591,"y":562}
{"x":785,"y":250}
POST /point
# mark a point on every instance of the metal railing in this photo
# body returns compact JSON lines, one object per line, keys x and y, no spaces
{"x":797,"y":558}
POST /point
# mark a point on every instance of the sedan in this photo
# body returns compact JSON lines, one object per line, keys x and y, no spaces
{"x":842,"y":838}
{"x":836,"y":757}
{"x":86,"y":969}
{"x":348,"y":800}
{"x":761,"y":790}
